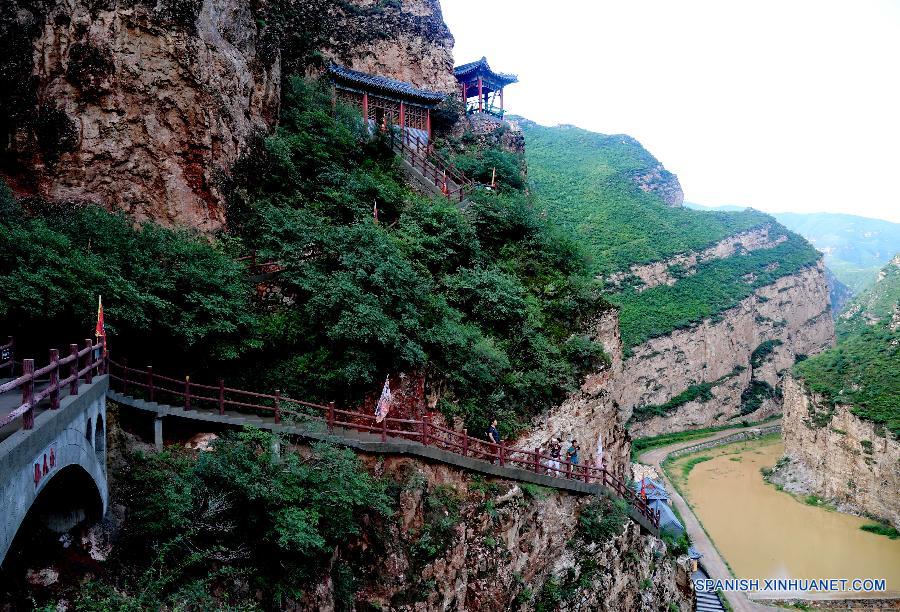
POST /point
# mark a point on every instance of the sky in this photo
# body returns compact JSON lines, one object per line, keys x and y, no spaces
{"x":782,"y":105}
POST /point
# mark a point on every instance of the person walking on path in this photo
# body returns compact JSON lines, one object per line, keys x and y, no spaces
{"x":493,"y":434}
{"x":555,"y":450}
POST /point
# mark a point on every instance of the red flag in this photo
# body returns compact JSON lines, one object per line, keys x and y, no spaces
{"x":100,"y":330}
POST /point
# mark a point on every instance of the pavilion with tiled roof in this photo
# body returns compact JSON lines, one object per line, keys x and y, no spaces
{"x":386,"y":102}
{"x":477,"y":80}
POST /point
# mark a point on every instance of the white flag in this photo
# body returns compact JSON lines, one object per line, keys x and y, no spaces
{"x":599,"y":450}
{"x":384,"y":402}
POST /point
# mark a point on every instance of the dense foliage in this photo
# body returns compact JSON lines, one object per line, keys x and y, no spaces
{"x":489,"y":300}
{"x":237,"y":521}
{"x":167,"y":291}
{"x":716,"y":286}
{"x":862,"y":370}
{"x":587,"y":183}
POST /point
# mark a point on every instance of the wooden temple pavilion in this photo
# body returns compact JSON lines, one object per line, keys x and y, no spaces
{"x":477,"y":80}
{"x":386,"y":102}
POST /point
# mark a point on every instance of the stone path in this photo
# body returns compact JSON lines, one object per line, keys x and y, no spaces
{"x":712,"y":560}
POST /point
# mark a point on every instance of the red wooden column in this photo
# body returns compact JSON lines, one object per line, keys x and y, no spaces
{"x":54,"y":379}
{"x":501,"y":100}
{"x":465,"y":90}
{"x":28,"y":394}
{"x":428,"y":123}
{"x":366,"y":108}
{"x":480,"y":96}
{"x":402,"y":117}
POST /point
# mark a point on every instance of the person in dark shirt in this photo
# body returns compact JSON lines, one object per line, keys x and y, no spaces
{"x":493,"y":434}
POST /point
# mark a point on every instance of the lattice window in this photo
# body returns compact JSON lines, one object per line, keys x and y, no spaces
{"x":351,"y":98}
{"x":384,"y":112}
{"x":416,"y":117}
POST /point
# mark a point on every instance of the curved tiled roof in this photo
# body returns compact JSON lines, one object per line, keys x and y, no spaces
{"x":371,"y":82}
{"x":465,"y":70}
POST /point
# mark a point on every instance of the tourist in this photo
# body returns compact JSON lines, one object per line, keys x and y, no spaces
{"x":572,"y":455}
{"x":555,"y":450}
{"x":493,"y":434}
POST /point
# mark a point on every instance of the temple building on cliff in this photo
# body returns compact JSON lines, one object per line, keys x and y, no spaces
{"x":386,"y":102}
{"x":482,"y":88}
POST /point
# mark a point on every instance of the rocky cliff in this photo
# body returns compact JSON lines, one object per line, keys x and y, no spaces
{"x":844,"y":459}
{"x":730,"y":365}
{"x":591,"y":413}
{"x":501,"y":546}
{"x":138,"y":107}
{"x":145,"y":106}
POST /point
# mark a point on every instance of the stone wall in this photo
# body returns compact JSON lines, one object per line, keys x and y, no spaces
{"x":848,"y":461}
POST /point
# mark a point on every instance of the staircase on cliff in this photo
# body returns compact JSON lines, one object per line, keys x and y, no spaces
{"x":428,"y":169}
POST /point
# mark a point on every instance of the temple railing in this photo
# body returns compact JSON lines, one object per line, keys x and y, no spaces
{"x":422,"y":157}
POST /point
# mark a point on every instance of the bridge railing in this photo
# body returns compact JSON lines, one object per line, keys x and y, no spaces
{"x":79,"y":364}
{"x":183,"y":392}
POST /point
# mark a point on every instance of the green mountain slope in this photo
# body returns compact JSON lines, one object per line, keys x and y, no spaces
{"x":586,"y":183}
{"x":855,"y":247}
{"x":862,"y":370}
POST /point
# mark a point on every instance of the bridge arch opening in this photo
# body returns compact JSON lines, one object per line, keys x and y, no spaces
{"x":52,"y":531}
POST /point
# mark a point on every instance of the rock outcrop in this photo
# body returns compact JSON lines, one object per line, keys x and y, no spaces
{"x":507,"y":547}
{"x":846,"y":460}
{"x":668,"y":272}
{"x":138,"y":107}
{"x":740,"y":355}
{"x":591,"y":413}
{"x":405,"y":40}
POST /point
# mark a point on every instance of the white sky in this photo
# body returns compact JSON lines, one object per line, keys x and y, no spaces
{"x":783,"y":105}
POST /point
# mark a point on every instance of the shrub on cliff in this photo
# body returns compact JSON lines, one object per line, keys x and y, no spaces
{"x":235,"y":516}
{"x":485,"y":300}
{"x":166,"y":292}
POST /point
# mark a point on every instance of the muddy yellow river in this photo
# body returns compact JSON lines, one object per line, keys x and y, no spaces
{"x":765,"y":533}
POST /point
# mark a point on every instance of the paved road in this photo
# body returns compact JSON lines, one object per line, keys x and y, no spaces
{"x":712,"y":560}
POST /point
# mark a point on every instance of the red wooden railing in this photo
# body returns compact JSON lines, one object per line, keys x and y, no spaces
{"x":256,"y":267}
{"x":191,"y":395}
{"x":82,"y":364}
{"x":423,"y":158}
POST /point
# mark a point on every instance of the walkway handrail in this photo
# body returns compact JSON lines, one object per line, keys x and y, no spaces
{"x":256,"y":267}
{"x":82,"y":364}
{"x":191,"y":395}
{"x":440,"y":176}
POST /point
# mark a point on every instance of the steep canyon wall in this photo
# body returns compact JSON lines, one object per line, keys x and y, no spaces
{"x":842,"y":458}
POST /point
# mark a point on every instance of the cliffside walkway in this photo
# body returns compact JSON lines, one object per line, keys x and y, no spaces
{"x":165,"y":396}
{"x":713,"y":562}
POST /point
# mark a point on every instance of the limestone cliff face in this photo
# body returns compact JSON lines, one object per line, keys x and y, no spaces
{"x":405,"y":40}
{"x":138,"y":106}
{"x":504,"y":545}
{"x":661,"y":272}
{"x":592,"y":411}
{"x":741,"y":352}
{"x":848,"y":461}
